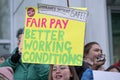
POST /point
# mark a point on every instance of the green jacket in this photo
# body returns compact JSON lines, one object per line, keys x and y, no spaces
{"x":25,"y":71}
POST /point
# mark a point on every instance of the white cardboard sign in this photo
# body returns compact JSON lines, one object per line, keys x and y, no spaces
{"x":104,"y":75}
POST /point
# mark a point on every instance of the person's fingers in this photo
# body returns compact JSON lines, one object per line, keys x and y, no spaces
{"x":21,"y":43}
{"x":99,"y":63}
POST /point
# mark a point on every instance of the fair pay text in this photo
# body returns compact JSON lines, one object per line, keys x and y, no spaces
{"x":43,"y":22}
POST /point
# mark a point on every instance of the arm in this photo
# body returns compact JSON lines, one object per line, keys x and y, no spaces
{"x":42,"y":71}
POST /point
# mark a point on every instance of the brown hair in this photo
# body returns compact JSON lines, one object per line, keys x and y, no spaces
{"x":112,"y":67}
{"x":72,"y":70}
{"x":19,"y":32}
{"x":88,"y":46}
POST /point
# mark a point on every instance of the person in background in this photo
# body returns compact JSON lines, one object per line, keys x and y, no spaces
{"x":117,"y":64}
{"x":25,"y":71}
{"x":115,"y":67}
{"x":93,"y":56}
{"x":62,"y":72}
{"x":93,"y":60}
{"x":3,"y":57}
{"x":6,"y":73}
{"x":19,"y":35}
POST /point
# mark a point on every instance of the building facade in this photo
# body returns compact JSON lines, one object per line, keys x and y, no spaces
{"x":101,"y":26}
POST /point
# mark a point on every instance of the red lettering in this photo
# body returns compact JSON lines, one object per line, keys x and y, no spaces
{"x":58,"y":24}
{"x":34,"y":22}
{"x":65,"y":23}
{"x":44,"y":20}
{"x":52,"y":21}
{"x":28,"y":21}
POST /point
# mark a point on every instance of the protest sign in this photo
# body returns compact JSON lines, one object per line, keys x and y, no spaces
{"x":54,"y":35}
{"x":105,"y":75}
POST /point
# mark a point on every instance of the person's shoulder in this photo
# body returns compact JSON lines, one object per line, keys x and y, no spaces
{"x":88,"y":74}
{"x":85,"y":65}
{"x":82,"y":68}
{"x":7,"y":72}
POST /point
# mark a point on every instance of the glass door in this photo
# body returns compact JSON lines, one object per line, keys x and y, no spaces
{"x":4,"y":27}
{"x":115,"y":16}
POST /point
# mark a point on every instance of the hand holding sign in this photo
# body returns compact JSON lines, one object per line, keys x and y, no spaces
{"x":20,"y":44}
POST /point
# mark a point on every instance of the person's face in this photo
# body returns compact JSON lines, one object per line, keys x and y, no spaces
{"x":94,"y":52}
{"x":61,"y":72}
{"x":19,"y":38}
{"x":113,"y":70}
{"x":2,"y":59}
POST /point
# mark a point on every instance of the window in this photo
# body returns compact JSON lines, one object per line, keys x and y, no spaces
{"x":116,"y":34}
{"x":4,"y":26}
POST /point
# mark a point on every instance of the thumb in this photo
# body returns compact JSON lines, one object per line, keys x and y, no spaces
{"x":21,"y":44}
